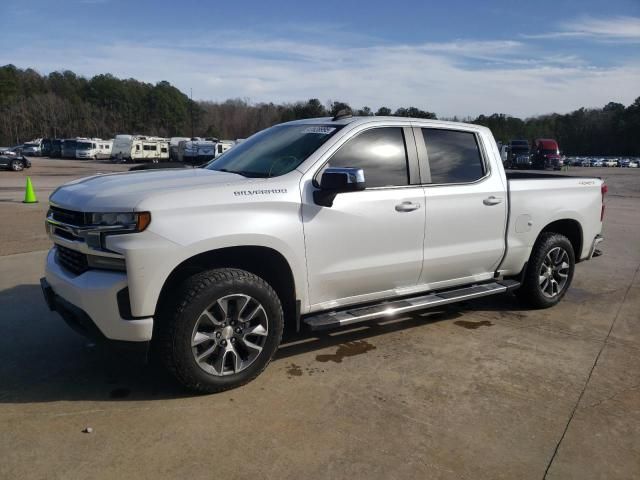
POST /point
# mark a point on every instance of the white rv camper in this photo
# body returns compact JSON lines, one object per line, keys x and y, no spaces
{"x":222,"y":146}
{"x":138,"y":148}
{"x":197,"y":150}
{"x":174,"y":145}
{"x":93,"y":148}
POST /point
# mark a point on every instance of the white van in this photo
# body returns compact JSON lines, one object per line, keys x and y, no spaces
{"x":128,"y":148}
{"x":93,"y":148}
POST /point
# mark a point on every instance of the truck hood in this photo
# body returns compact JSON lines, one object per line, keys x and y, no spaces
{"x":123,"y":191}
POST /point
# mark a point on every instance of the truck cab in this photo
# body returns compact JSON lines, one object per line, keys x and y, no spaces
{"x":546,"y":154}
{"x":519,"y":154}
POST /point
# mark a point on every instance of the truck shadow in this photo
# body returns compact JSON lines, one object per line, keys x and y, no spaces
{"x":45,"y":361}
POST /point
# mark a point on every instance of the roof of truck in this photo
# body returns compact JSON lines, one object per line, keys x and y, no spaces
{"x":376,"y":119}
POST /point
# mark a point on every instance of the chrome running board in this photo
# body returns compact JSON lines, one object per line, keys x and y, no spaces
{"x":339,"y":318}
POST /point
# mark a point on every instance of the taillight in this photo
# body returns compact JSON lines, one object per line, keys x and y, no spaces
{"x":603,"y":190}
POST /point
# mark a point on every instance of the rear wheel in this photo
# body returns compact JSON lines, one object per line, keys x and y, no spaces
{"x":222,"y":331}
{"x":549,"y":271}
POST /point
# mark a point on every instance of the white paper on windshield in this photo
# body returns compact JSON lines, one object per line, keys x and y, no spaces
{"x":319,"y":130}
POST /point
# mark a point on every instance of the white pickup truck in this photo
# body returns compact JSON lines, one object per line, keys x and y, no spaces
{"x":315,"y":224}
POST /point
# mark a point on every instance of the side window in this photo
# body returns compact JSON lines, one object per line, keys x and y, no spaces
{"x":454,"y":156}
{"x":380,"y":152}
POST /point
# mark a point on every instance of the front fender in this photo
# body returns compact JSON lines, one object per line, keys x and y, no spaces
{"x":150,"y":259}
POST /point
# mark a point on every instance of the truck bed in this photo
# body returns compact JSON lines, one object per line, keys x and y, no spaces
{"x":537,"y":199}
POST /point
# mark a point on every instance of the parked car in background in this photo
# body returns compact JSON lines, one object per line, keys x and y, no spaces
{"x":15,"y":150}
{"x":634,"y":164}
{"x":519,"y":154}
{"x":546,"y":154}
{"x":69,"y":146}
{"x":7,"y":151}
{"x":45,"y":147}
{"x":32,"y":149}
{"x":624,"y":163}
{"x":56,"y":148}
{"x":14,"y":162}
{"x":611,"y":162}
{"x":597,"y":162}
{"x":94,"y":148}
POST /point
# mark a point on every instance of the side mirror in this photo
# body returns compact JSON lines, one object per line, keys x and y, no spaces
{"x":338,"y":180}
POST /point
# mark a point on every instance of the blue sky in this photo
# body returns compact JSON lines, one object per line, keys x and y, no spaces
{"x":452,"y":57}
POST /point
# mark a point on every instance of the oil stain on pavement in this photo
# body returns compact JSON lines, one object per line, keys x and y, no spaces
{"x":294,"y":370}
{"x":472,"y":325}
{"x":349,"y":349}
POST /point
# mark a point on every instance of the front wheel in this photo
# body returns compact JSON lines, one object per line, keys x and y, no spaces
{"x":222,"y":331}
{"x":549,"y":271}
{"x":16,"y":165}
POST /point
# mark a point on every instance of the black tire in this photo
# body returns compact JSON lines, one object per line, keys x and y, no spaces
{"x":178,"y":319}
{"x":17,"y":165}
{"x":531,"y":292}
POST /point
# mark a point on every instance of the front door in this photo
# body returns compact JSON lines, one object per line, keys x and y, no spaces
{"x":369,"y":242}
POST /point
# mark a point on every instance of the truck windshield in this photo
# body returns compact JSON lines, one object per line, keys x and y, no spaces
{"x":83,"y":146}
{"x":275,"y":151}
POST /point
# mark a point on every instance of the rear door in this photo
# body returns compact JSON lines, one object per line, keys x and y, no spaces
{"x":369,"y":242}
{"x":466,"y":207}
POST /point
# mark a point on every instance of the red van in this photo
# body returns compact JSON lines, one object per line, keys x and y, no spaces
{"x":546,"y":154}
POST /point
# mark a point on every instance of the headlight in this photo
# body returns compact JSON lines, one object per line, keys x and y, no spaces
{"x":135,"y":221}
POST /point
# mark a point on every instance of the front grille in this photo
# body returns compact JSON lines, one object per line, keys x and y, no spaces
{"x":78,"y":219}
{"x":72,"y":260}
{"x":65,"y":234}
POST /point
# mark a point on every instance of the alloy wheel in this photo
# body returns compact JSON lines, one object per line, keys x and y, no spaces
{"x":229,"y":335}
{"x":554,"y":272}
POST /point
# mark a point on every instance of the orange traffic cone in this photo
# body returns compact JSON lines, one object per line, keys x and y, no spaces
{"x":29,"y":193}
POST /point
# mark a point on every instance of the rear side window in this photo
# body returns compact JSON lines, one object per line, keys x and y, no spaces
{"x":380,"y":152}
{"x":454,"y":156}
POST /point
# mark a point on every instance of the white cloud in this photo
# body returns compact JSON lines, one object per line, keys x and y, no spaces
{"x":451,"y":78}
{"x":621,"y":28}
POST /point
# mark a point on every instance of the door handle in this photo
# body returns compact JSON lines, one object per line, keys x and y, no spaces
{"x":492,"y":201}
{"x":407,"y":207}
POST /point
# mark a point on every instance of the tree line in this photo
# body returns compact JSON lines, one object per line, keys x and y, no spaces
{"x":63,"y":104}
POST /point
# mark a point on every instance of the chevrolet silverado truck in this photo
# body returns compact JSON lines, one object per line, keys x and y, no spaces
{"x":312,"y":224}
